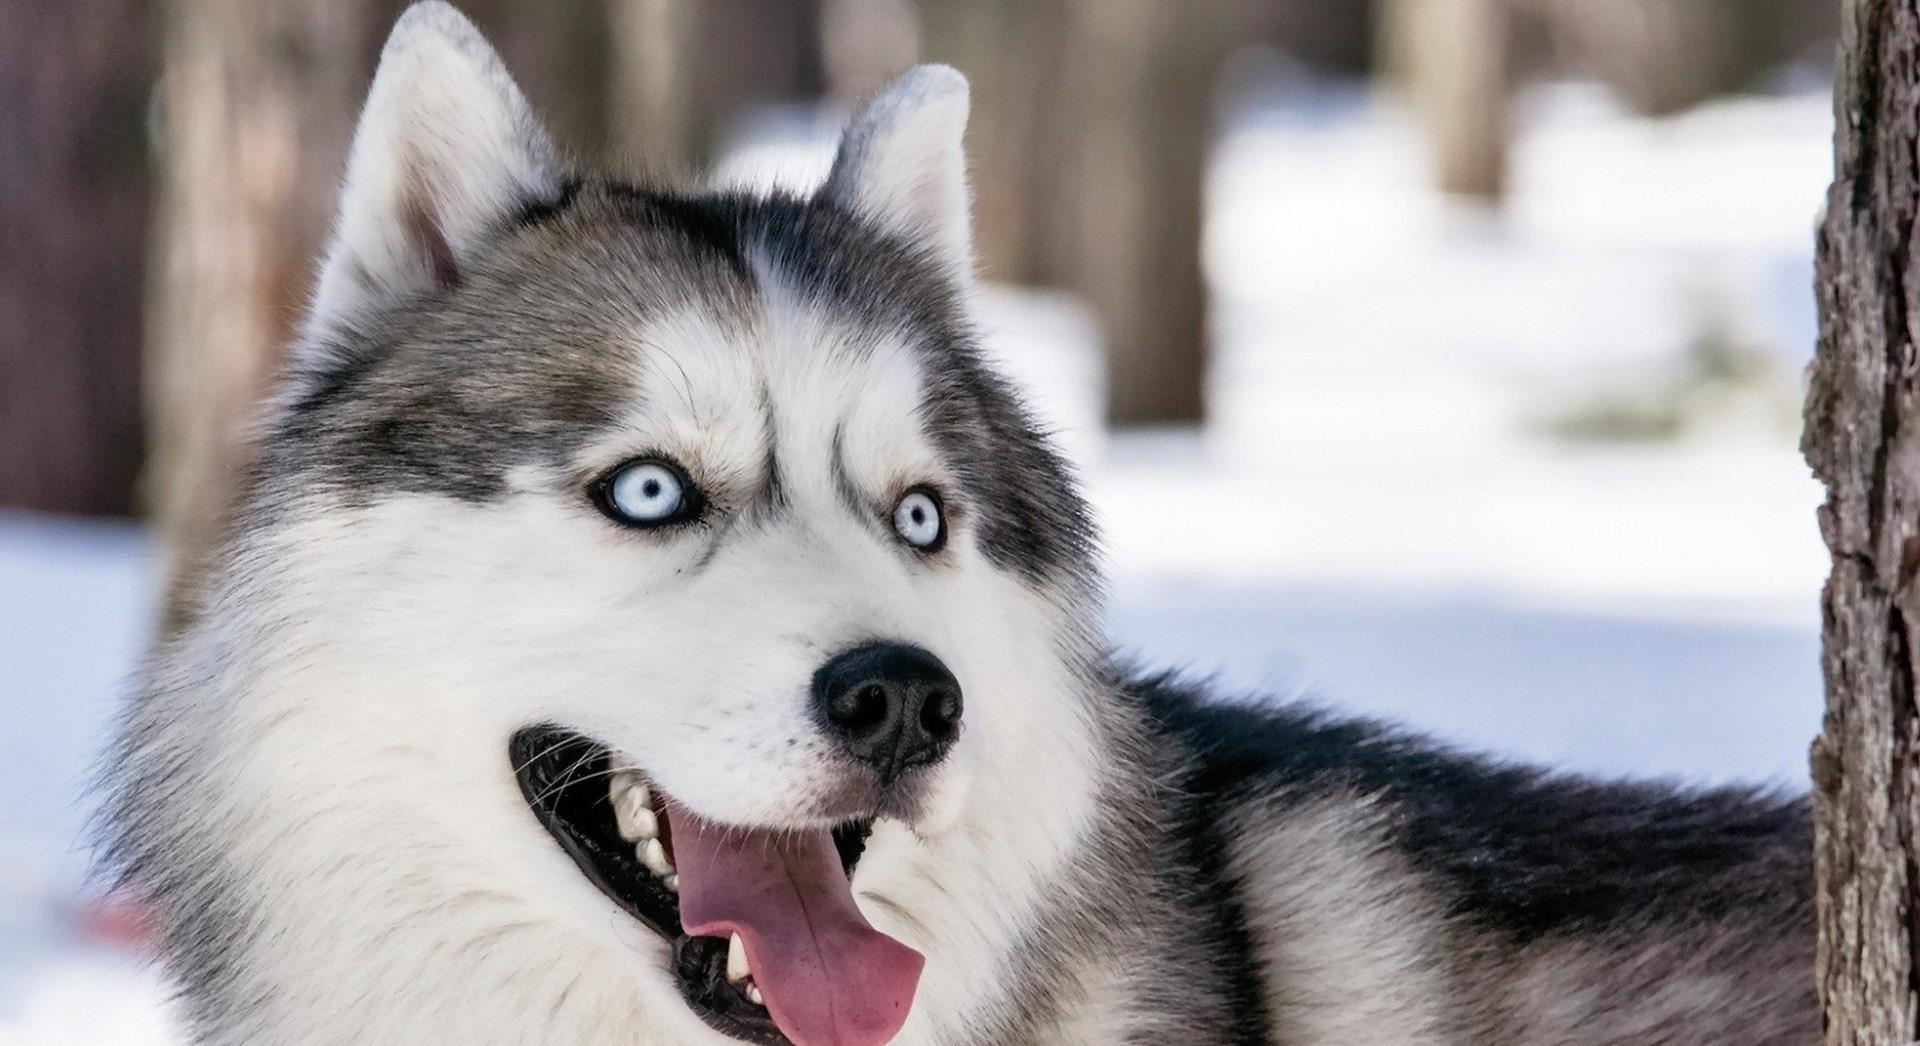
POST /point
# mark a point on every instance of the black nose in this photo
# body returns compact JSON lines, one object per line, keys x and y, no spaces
{"x":891,"y":706}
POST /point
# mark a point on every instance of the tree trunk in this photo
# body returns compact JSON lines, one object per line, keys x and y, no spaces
{"x":560,"y":52}
{"x":1862,"y":442}
{"x":73,"y":222}
{"x":864,"y":44}
{"x":1010,"y":51}
{"x":683,"y":70}
{"x":1663,"y":56}
{"x":1139,"y":83}
{"x":1451,"y":58}
{"x":1087,"y":152}
{"x":257,"y":102}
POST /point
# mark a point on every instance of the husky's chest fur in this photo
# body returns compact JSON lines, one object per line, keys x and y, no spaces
{"x":649,"y":621}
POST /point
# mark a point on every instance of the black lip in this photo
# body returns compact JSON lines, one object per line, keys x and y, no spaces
{"x":547,"y":760}
{"x":562,"y":776}
{"x":700,"y":965}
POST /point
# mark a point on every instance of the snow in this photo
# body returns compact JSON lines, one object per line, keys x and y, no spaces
{"x":1374,"y":520}
{"x":77,"y":994}
{"x":78,"y":597}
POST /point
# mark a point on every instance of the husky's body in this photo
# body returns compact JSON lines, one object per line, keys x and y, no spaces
{"x":574,"y":506}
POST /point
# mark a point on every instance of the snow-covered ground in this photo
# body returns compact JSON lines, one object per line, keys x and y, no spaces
{"x":1377,"y":518}
{"x":75,"y":599}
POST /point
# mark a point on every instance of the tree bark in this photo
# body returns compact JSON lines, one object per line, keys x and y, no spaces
{"x":1862,"y":442}
{"x":73,"y":221}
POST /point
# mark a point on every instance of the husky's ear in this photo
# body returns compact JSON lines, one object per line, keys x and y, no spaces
{"x":445,"y":149}
{"x":901,"y":164}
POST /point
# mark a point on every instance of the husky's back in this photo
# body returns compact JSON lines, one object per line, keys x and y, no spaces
{"x":1397,"y":891}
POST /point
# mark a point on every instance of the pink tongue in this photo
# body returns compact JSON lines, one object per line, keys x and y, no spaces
{"x":828,"y":977}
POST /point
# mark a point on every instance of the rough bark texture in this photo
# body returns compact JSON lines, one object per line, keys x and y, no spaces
{"x":1861,"y":441}
{"x":74,"y":83}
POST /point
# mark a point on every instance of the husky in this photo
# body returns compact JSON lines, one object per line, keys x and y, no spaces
{"x":648,"y":620}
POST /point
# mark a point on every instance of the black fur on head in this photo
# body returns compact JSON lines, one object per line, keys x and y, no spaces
{"x":526,"y":356}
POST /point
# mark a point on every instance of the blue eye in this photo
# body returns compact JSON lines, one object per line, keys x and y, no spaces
{"x":648,"y":493}
{"x":918,"y":520}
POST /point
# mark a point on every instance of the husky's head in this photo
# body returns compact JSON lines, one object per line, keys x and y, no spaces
{"x":625,"y":571}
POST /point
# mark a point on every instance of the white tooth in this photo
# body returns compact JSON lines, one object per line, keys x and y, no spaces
{"x":673,"y":882}
{"x":633,"y":807}
{"x":753,"y":994}
{"x":737,"y":960}
{"x":654,"y":856}
{"x":635,"y":819}
{"x":628,"y":782}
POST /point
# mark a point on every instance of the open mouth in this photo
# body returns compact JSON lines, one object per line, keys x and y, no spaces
{"x":768,"y":945}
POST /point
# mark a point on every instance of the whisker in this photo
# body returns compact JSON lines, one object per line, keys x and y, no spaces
{"x":565,"y":778}
{"x":549,"y":750}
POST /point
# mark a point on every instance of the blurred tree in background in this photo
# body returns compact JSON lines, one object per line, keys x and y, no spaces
{"x":250,"y":95}
{"x":1092,"y":128}
{"x":1453,"y":59}
{"x":74,"y":80}
{"x":1012,"y":51}
{"x":1663,"y":56}
{"x":1459,"y":61}
{"x":682,"y":70}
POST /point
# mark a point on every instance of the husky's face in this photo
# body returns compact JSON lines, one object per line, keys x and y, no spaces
{"x":691,"y":524}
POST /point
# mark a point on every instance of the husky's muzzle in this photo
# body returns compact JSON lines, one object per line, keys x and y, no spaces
{"x":768,"y":944}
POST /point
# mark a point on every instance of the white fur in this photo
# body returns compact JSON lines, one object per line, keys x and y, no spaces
{"x":361,"y":706}
{"x":1353,"y":945}
{"x":368,"y":739}
{"x":901,"y":163}
{"x":445,"y":147}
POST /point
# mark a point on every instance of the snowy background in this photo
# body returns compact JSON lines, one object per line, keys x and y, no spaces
{"x":1527,"y":481}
